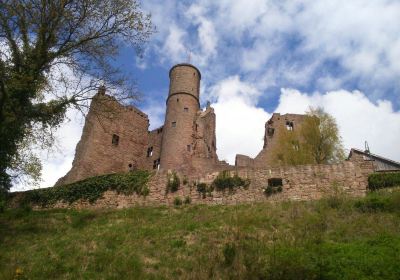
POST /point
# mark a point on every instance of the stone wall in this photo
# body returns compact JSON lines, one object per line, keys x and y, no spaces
{"x":114,"y":139}
{"x":153,"y":152}
{"x":299,"y":183}
{"x":273,"y":128}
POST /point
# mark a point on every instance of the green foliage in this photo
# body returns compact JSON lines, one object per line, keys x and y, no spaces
{"x":204,"y":189}
{"x":379,"y":202}
{"x":187,"y":200}
{"x":383,"y":180}
{"x":3,"y":200}
{"x":229,"y":252}
{"x":173,"y":182}
{"x":225,"y":181}
{"x":270,"y":190}
{"x":91,"y":189}
{"x":178,"y":201}
{"x":315,"y":141}
{"x":43,"y":42}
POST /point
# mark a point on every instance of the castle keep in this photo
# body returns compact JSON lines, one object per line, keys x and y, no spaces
{"x":116,"y":138}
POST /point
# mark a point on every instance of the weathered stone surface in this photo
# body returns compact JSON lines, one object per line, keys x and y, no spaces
{"x":306,"y":182}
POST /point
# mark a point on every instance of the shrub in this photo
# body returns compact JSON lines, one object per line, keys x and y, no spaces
{"x":380,"y":201}
{"x":224,"y":181}
{"x":270,"y":190}
{"x":173,"y":182}
{"x":2,"y":206}
{"x":3,"y":200}
{"x":187,"y":200}
{"x":204,"y":189}
{"x":91,"y":189}
{"x":185,"y":181}
{"x":383,"y":180}
{"x":229,"y":253}
{"x":177,"y":201}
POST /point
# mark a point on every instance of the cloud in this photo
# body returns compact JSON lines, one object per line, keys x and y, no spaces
{"x":174,"y":47}
{"x":240,"y":124}
{"x":58,"y":162}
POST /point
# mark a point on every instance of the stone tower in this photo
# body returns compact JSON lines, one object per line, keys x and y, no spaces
{"x":182,"y":107}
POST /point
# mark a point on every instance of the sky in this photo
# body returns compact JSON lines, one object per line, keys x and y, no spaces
{"x":258,"y":57}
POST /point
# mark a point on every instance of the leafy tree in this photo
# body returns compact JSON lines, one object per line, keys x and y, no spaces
{"x":54,"y":55}
{"x":315,"y":141}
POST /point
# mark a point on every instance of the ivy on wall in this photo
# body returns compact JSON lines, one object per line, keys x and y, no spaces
{"x":91,"y":189}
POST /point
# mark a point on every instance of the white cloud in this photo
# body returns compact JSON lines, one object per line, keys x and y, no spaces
{"x":240,"y":124}
{"x":174,"y":47}
{"x":57,"y":163}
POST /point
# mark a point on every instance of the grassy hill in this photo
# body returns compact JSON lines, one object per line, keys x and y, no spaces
{"x":334,"y":238}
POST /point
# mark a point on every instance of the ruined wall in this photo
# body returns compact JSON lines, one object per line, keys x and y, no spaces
{"x":153,"y":152}
{"x":299,"y":183}
{"x":114,"y":139}
{"x":273,"y":128}
{"x":204,"y":154}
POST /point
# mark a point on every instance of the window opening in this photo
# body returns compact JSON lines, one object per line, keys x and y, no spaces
{"x":185,"y":109}
{"x":270,"y":131}
{"x":289,"y":125}
{"x":173,"y":124}
{"x":115,"y":140}
{"x":275,"y":182}
{"x":149,"y":151}
{"x":156,"y":164}
{"x":177,"y":100}
{"x":189,"y":148}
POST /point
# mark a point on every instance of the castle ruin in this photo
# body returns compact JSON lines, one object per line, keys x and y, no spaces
{"x":116,"y":138}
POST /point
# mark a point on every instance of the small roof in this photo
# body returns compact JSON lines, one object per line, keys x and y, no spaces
{"x":374,"y":156}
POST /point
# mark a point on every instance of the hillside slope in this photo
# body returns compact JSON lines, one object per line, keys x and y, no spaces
{"x":335,"y":238}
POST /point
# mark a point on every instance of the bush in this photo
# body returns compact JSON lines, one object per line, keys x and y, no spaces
{"x":187,"y":200}
{"x":383,"y":180}
{"x":173,"y":182}
{"x":204,"y":189}
{"x":177,"y":201}
{"x":90,"y":189}
{"x":224,"y":181}
{"x":3,"y":200}
{"x":270,"y":190}
{"x":379,"y":201}
{"x":229,"y":253}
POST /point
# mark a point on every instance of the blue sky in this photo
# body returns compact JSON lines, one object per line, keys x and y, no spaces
{"x":263,"y":56}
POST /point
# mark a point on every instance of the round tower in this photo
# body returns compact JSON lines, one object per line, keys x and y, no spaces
{"x":182,"y":106}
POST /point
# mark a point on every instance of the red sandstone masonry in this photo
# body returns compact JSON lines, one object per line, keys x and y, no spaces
{"x":306,"y":182}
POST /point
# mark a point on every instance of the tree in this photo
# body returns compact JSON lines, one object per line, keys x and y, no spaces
{"x":54,"y":55}
{"x":316,"y":141}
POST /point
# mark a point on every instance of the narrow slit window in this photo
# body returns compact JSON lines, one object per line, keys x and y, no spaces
{"x":156,"y":164}
{"x":173,"y":124}
{"x":115,"y":140}
{"x":189,"y":148}
{"x":149,"y":151}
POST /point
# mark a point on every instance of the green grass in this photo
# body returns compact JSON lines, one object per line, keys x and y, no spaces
{"x":334,"y":238}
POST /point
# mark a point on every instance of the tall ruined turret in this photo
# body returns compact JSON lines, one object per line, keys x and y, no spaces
{"x":182,"y":107}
